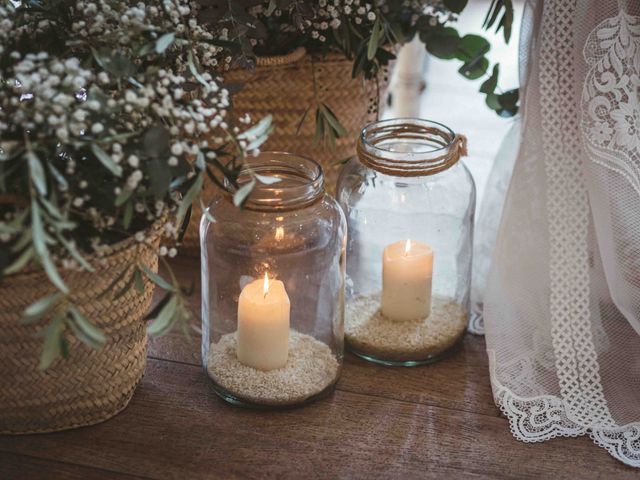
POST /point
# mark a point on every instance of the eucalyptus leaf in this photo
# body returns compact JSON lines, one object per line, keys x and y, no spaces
{"x":489,"y":85}
{"x":166,"y":318}
{"x":39,"y":242}
{"x":456,"y":6}
{"x":106,"y":160}
{"x":25,"y":257}
{"x":258,"y":129}
{"x":242,"y":195}
{"x":164,"y":42}
{"x":138,"y":281}
{"x":37,"y":309}
{"x":157,"y":279}
{"x":194,"y":71}
{"x":156,"y":141}
{"x":86,"y":331}
{"x":127,"y":216}
{"x":37,"y":173}
{"x":53,"y":340}
{"x":189,"y":197}
{"x":374,"y":39}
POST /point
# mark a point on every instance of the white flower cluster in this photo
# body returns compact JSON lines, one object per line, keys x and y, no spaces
{"x":125,"y":23}
{"x":132,"y":96}
{"x":47,"y":96}
{"x":329,"y":14}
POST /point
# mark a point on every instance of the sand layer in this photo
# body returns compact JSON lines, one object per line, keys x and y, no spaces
{"x":311,"y":368}
{"x":368,"y":332}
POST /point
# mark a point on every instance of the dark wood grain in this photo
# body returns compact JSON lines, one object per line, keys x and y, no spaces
{"x":437,"y":421}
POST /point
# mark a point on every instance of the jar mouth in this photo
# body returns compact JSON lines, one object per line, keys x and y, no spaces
{"x":410,"y":146}
{"x":283,"y":181}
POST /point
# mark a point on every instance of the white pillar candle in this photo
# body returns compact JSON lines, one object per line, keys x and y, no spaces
{"x":263,"y":324}
{"x":407,"y":270}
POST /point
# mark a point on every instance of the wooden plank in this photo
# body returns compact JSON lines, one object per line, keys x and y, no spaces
{"x":176,"y":427}
{"x":22,"y":467}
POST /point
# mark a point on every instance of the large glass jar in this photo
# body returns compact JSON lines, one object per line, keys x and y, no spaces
{"x":273,"y":286}
{"x":409,"y":204}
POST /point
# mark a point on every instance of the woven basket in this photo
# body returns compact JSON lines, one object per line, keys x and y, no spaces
{"x":89,"y":386}
{"x":283,"y":87}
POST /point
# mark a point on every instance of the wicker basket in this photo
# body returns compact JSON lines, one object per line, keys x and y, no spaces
{"x":89,"y":386}
{"x":284,"y":88}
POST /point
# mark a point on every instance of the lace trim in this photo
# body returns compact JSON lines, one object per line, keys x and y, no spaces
{"x":544,"y":417}
{"x":576,"y":358}
{"x":610,"y":102}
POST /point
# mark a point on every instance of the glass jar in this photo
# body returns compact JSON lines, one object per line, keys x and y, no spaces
{"x":409,"y":205}
{"x":273,"y":286}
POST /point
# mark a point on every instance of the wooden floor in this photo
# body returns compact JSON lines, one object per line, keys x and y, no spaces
{"x":437,"y":421}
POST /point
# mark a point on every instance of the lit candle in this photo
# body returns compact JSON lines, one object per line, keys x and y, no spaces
{"x":263,"y":324}
{"x":407,"y":270}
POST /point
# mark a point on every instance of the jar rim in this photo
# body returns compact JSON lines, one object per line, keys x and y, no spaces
{"x":410,"y":147}
{"x":399,"y":122}
{"x":299,"y":181}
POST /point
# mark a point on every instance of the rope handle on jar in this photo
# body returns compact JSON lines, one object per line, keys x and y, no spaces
{"x":455,"y":145}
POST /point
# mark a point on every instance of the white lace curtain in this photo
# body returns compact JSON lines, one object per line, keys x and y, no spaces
{"x":562,"y":297}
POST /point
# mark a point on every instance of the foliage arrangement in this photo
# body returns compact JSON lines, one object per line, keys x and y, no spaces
{"x":110,"y":122}
{"x":367,"y":32}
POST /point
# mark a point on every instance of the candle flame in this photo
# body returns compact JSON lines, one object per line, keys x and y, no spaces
{"x":407,"y":247}
{"x":279,"y":233}
{"x":265,"y":287}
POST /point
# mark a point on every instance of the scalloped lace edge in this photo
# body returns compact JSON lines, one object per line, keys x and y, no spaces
{"x":544,"y":417}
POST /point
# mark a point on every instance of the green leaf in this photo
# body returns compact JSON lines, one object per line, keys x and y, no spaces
{"x":159,"y":177}
{"x":165,"y":320}
{"x":489,"y":85}
{"x":456,"y":6}
{"x":189,"y":197}
{"x":492,"y":101}
{"x":442,"y":42}
{"x":156,"y":141}
{"x":123,"y":196}
{"x":258,"y":129}
{"x":127,"y":216}
{"x":157,"y":279}
{"x":333,"y":121}
{"x":475,"y":69}
{"x":37,"y":309}
{"x":374,"y":39}
{"x":106,"y":160}
{"x":53,"y":342}
{"x":37,"y":173}
{"x":39,"y":242}
{"x":194,"y":71}
{"x":25,"y":257}
{"x":471,"y":47}
{"x":86,"y":331}
{"x":114,"y":62}
{"x":138,"y":281}
{"x":164,"y":42}
{"x":242,"y":194}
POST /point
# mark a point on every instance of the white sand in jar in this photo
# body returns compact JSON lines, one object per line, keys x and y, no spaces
{"x":311,"y":367}
{"x":368,"y":332}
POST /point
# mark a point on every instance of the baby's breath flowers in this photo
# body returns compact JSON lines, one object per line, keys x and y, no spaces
{"x":110,"y":122}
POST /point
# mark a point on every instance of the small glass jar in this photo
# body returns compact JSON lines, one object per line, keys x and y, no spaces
{"x":273,"y":286}
{"x":409,"y":205}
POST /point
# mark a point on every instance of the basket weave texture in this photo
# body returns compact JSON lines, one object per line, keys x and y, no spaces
{"x":284,"y":88}
{"x":89,"y":386}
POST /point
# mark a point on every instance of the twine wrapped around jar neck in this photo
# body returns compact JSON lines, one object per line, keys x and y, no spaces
{"x":448,"y":148}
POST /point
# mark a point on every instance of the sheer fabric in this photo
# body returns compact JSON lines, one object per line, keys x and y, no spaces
{"x":562,"y":299}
